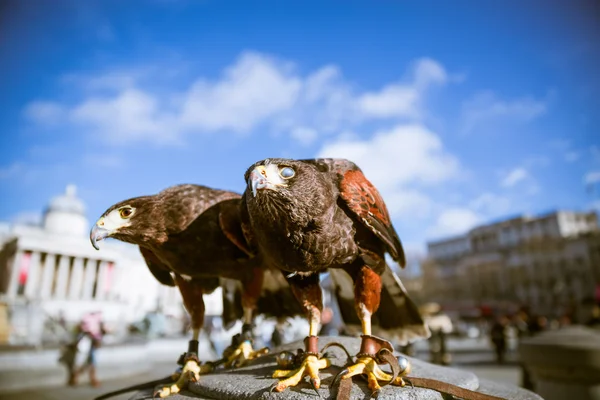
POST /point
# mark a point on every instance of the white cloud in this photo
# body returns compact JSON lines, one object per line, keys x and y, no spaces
{"x":408,"y":203}
{"x":257,"y":90}
{"x":402,"y":100}
{"x":514,"y":176}
{"x":428,"y":71}
{"x":485,"y":108}
{"x":45,"y":112}
{"x":453,"y":221}
{"x":490,"y":204}
{"x":404,"y":155}
{"x":250,"y":91}
{"x":591,"y":178}
{"x":304,"y":136}
{"x":130,"y":116}
{"x":391,"y":101}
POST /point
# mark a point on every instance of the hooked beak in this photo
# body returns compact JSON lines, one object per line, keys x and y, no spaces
{"x":258,"y":180}
{"x":97,"y":234}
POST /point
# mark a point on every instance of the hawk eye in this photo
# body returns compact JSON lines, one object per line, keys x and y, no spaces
{"x":126,"y":212}
{"x":287,"y":172}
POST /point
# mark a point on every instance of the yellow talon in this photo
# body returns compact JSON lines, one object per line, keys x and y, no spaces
{"x":190,"y":373}
{"x":310,"y":367}
{"x":243,"y":354}
{"x":369,"y":367}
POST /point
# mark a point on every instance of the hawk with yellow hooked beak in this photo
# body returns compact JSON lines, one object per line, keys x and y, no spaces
{"x":312,"y":216}
{"x":191,"y":237}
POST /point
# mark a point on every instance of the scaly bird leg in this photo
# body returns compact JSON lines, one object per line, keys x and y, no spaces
{"x":310,"y":365}
{"x":191,"y":292}
{"x":240,"y":351}
{"x":367,"y":292}
{"x":308,"y":292}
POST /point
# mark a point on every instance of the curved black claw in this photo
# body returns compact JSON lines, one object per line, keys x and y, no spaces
{"x":313,"y":383}
{"x":339,"y":376}
{"x":273,"y":386}
{"x":375,"y":394}
{"x":409,"y":382}
{"x":216,"y":363}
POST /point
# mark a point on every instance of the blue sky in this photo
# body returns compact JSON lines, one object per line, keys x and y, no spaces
{"x":459,"y":112}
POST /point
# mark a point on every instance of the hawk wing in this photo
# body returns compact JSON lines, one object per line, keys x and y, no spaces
{"x":184,"y":203}
{"x":161,"y":272}
{"x":364,"y":201}
{"x":230,"y":222}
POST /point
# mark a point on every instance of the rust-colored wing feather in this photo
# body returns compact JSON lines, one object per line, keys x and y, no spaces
{"x":364,"y":200}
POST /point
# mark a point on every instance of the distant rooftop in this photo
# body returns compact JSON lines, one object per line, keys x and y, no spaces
{"x":506,"y":219}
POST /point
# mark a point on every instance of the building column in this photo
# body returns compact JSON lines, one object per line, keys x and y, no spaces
{"x":32,"y":286}
{"x":100,"y":287}
{"x":88,"y":279}
{"x":48,"y":276}
{"x":62,"y":278}
{"x":14,"y":274}
{"x":76,"y":279}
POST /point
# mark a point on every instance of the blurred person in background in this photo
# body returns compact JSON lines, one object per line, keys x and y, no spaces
{"x":498,"y":337}
{"x":594,"y":321}
{"x":538,"y":325}
{"x":328,"y":326}
{"x":90,"y":331}
{"x":277,"y":338}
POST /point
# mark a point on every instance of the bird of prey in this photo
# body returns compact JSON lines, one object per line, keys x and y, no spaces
{"x":310,"y":216}
{"x":190,"y":237}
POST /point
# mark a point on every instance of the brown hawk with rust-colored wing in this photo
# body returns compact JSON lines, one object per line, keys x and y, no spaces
{"x":191,"y":237}
{"x":311,"y":216}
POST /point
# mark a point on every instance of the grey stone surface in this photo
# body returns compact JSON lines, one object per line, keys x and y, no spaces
{"x":254,"y":381}
{"x":511,"y":392}
{"x":564,"y":363}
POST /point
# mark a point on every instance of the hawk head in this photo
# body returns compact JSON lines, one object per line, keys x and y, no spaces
{"x":289,"y":184}
{"x":126,"y":221}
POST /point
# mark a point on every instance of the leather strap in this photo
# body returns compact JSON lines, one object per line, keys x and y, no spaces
{"x":344,"y":389}
{"x":388,"y":357}
{"x":141,"y":386}
{"x":448,"y":388}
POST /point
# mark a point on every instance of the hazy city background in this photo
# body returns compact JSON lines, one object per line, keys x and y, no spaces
{"x":477,"y":122}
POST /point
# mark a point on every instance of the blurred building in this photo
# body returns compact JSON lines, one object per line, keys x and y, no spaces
{"x":550,"y":263}
{"x":50,"y":272}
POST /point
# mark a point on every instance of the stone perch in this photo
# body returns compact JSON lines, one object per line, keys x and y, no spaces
{"x":253,"y":381}
{"x":564,"y":364}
